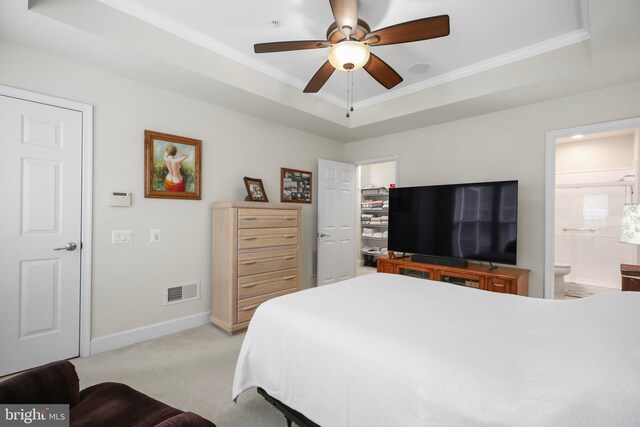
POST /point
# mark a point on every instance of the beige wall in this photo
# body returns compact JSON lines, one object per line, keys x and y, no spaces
{"x":129,"y":280}
{"x":500,"y":146}
{"x":614,"y":152}
{"x":380,"y":174}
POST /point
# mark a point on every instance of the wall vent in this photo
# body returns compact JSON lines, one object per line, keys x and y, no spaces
{"x":181,"y":292}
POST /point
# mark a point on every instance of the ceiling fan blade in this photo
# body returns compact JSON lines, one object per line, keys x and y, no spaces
{"x":382,"y":72}
{"x":412,"y":31}
{"x":319,"y":78}
{"x":290,"y":45}
{"x":345,"y":13}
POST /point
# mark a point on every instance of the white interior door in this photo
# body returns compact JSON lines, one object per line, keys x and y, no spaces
{"x":40,"y":233}
{"x":336,"y":221}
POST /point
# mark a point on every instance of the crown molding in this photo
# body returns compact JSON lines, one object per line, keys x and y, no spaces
{"x":479,"y":67}
{"x":172,"y":26}
{"x":177,"y":29}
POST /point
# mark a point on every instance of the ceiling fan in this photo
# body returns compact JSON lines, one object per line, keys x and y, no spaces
{"x":349,"y":39}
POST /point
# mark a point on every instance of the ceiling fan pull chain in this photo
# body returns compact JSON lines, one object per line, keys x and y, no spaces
{"x":348,"y":92}
{"x":351,"y":102}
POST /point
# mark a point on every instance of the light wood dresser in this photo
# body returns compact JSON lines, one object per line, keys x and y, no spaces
{"x":256,"y":256}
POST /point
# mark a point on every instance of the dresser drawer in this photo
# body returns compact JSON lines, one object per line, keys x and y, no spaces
{"x":266,"y":237}
{"x":247,"y":307}
{"x":267,"y":218}
{"x":267,"y":261}
{"x":497,"y":284}
{"x":266,"y":283}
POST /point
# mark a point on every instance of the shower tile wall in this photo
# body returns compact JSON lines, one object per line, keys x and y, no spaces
{"x":594,"y":256}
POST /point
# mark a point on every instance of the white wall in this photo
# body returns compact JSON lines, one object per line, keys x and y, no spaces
{"x":500,"y":146}
{"x":614,"y":152}
{"x":380,"y":174}
{"x":129,"y":280}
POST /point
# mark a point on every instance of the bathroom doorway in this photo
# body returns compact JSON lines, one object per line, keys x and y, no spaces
{"x":594,"y":174}
{"x":375,"y":178}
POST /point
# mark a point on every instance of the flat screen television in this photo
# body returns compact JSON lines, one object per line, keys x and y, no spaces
{"x":476,"y":221}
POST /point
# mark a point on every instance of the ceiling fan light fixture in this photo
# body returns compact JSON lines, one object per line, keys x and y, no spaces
{"x":349,"y":55}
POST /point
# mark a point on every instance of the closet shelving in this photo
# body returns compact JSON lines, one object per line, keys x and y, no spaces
{"x":374,"y":217}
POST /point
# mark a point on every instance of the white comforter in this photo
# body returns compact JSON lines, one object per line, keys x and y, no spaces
{"x":388,"y":350}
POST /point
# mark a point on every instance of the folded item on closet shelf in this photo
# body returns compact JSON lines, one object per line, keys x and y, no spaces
{"x":375,"y":219}
{"x":384,"y":218}
{"x":385,"y":234}
{"x":366,"y":216}
{"x":377,"y":234}
{"x":367,"y":232}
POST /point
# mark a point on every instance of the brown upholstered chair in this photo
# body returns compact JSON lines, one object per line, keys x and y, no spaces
{"x":104,"y":404}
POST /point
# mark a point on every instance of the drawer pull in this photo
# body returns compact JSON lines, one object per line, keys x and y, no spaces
{"x":288,"y":277}
{"x":249,"y":308}
{"x":289,"y":236}
{"x":249,"y":218}
{"x":248,"y":262}
{"x":249,"y":238}
{"x":289,"y":257}
{"x":289,"y":217}
{"x":250,"y":285}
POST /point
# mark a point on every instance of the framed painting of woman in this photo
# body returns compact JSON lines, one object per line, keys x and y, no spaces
{"x":172,"y":166}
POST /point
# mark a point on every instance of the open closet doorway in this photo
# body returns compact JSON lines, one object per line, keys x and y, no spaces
{"x":375,"y":178}
{"x":592,"y":173}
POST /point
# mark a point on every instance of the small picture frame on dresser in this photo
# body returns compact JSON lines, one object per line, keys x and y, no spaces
{"x":255,"y":190}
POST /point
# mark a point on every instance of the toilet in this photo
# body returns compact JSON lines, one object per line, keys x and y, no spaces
{"x":559,"y":271}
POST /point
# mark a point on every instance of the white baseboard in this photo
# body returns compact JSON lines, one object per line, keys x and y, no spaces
{"x":145,"y":333}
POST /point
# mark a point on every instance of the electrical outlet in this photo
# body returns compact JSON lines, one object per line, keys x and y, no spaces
{"x":155,"y":236}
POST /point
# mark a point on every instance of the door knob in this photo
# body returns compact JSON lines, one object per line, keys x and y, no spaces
{"x":324,"y":235}
{"x":68,"y":247}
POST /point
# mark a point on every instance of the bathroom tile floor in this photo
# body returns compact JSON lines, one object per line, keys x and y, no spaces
{"x":576,"y":290}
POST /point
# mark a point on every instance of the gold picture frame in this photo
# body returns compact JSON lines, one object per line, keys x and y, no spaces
{"x":172,"y":166}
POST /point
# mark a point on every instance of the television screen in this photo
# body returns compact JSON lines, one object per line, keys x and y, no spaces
{"x":468,"y":221}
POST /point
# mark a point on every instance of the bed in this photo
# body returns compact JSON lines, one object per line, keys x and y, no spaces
{"x":383,"y":349}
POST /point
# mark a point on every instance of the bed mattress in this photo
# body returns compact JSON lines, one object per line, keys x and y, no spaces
{"x":382,"y":350}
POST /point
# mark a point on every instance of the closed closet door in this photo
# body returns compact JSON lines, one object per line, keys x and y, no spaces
{"x":336,"y":221}
{"x":40,"y":232}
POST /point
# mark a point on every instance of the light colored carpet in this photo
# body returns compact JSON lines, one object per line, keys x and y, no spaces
{"x":191,"y":370}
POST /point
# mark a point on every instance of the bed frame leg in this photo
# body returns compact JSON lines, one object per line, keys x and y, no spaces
{"x":290,"y":415}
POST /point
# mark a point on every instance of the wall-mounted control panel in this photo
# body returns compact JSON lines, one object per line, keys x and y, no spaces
{"x":118,"y":198}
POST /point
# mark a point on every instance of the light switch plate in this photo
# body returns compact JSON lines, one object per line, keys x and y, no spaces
{"x":119,"y":237}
